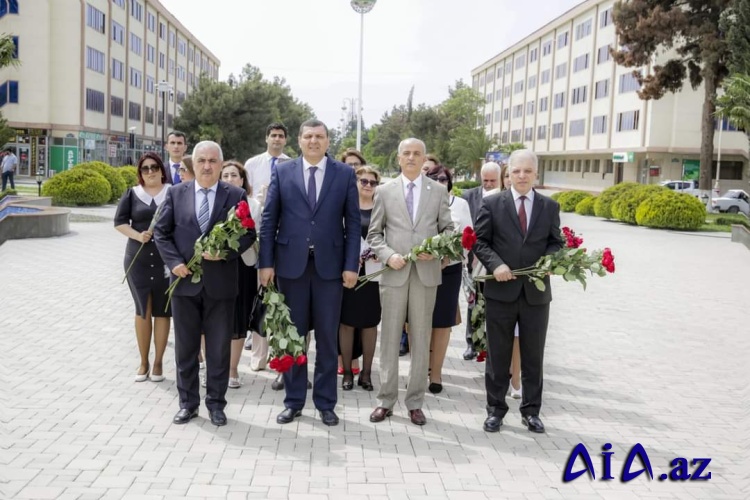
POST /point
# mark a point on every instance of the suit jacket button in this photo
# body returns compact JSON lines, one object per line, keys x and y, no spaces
{"x":313,"y":223}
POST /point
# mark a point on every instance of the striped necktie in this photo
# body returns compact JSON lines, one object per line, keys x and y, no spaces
{"x":203,"y":211}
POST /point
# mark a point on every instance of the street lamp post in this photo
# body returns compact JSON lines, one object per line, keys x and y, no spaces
{"x":362,"y":7}
{"x":165,"y":89}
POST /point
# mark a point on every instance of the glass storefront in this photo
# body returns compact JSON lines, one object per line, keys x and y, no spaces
{"x":30,"y":146}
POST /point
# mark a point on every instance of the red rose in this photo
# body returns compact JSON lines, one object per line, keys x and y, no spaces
{"x":248,"y":223}
{"x":243,"y":210}
{"x":301,"y":360}
{"x":468,"y":238}
{"x":274,"y":364}
{"x":286,"y":362}
{"x":481,"y":356}
{"x":608,"y":260}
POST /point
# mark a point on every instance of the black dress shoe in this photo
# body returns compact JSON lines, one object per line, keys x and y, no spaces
{"x":379,"y":414}
{"x":493,"y":423}
{"x":288,"y":415}
{"x":364,"y":384}
{"x":403,"y":350}
{"x":435,"y":388}
{"x":470,"y":353}
{"x":329,"y":417}
{"x":184,"y":416}
{"x":347,"y":383}
{"x":533,"y":423}
{"x":218,"y":417}
{"x":278,"y":384}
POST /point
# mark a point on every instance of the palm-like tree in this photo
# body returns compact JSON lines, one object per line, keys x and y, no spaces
{"x":735,"y":103}
{"x":7,"y":51}
{"x":471,"y":145}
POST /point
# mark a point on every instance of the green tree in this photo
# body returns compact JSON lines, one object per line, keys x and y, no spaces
{"x":688,"y":32}
{"x":735,"y":103}
{"x":471,"y":146}
{"x":235,"y":113}
{"x":511,"y":146}
{"x":458,"y":114}
{"x":735,"y":22}
{"x":7,"y":59}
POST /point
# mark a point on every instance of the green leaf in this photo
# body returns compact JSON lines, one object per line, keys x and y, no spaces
{"x":539,"y":284}
{"x":559,"y":270}
{"x":283,"y":343}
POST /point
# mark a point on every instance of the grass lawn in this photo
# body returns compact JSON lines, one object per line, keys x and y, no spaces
{"x":723,"y":222}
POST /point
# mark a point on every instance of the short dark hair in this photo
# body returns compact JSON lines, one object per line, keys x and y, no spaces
{"x":353,"y":152}
{"x":438,"y":169}
{"x":277,"y":126}
{"x":312,"y":123}
{"x":151,"y":156}
{"x":177,"y":133}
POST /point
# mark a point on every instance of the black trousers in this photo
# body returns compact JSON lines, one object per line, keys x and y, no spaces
{"x":214,"y":318}
{"x":532,"y":325}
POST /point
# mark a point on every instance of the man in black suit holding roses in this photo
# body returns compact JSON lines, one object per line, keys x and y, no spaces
{"x":514,"y":229}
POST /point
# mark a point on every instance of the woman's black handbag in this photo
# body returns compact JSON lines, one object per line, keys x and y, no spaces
{"x":258,"y":312}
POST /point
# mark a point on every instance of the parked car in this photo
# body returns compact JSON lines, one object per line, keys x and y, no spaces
{"x":734,"y":201}
{"x":689,"y":187}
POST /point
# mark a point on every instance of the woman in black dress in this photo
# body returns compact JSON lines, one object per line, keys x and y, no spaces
{"x":361,"y":308}
{"x":234,"y":173}
{"x":148,"y":278}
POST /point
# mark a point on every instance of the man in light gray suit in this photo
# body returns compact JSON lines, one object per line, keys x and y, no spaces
{"x":407,"y":210}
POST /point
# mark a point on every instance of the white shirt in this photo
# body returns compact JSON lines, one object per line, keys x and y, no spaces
{"x":528,"y":203}
{"x":461,"y":216}
{"x":416,"y":192}
{"x":258,"y":170}
{"x":199,"y":198}
{"x":487,"y":192}
{"x":319,"y":175}
{"x":173,"y":167}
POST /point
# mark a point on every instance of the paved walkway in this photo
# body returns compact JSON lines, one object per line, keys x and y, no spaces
{"x":656,"y":354}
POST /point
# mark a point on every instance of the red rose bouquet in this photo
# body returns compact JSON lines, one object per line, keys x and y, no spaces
{"x":223,"y":236}
{"x":286,"y":347}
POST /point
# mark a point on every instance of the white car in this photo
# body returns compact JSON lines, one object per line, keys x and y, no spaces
{"x":689,"y":187}
{"x":734,"y":201}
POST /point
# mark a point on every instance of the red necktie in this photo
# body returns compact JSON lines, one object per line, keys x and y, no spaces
{"x":522,"y":214}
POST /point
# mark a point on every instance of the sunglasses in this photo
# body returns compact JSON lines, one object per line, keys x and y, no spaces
{"x":439,"y":178}
{"x":367,"y":182}
{"x":150,"y":168}
{"x":354,"y":165}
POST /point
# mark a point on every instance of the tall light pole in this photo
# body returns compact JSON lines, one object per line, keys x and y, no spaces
{"x":362,"y":7}
{"x":165,"y":89}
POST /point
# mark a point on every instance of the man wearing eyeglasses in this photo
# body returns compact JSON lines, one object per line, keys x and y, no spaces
{"x":259,"y":168}
{"x":176,"y":147}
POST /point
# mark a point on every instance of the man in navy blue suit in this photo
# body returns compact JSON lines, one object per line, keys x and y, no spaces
{"x":190,"y":211}
{"x":309,"y":241}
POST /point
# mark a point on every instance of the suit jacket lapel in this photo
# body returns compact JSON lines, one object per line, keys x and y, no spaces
{"x":510,"y":206}
{"x":222,"y":195}
{"x":328,"y":178}
{"x":535,"y":211}
{"x":424,"y":199}
{"x":190,"y":200}
{"x":399,"y":197}
{"x":298,"y":177}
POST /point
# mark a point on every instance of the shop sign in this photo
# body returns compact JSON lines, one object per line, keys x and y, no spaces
{"x":623,"y":157}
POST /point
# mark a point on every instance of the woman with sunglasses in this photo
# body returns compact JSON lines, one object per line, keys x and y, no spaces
{"x":148,"y":277}
{"x":445,"y":313}
{"x":361,"y":308}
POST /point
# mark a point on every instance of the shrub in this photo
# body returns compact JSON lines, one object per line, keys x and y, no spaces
{"x":569,"y":199}
{"x":556,"y":196}
{"x":78,"y":186}
{"x":116,"y":182}
{"x":728,"y":221}
{"x":625,"y":205}
{"x":603,"y":205}
{"x":586,"y":206}
{"x":8,"y":192}
{"x":670,"y":210}
{"x":129,"y":174}
{"x":466,"y":184}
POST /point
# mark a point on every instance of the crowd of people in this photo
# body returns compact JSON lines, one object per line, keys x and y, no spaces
{"x":320,"y":225}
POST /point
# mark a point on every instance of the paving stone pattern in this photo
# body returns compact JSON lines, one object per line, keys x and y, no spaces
{"x":656,"y":354}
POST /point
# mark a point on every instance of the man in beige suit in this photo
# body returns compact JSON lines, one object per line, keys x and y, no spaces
{"x":407,"y":210}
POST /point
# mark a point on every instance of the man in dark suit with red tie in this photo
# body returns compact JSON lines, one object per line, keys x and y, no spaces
{"x":514,"y":229}
{"x":309,"y":240}
{"x":176,"y":147}
{"x":190,"y":211}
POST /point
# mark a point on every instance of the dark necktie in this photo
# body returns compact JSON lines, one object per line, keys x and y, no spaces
{"x":410,"y":200}
{"x":273,"y":162}
{"x":312,"y":188}
{"x":176,"y":179}
{"x":522,"y":214}
{"x":203,"y":211}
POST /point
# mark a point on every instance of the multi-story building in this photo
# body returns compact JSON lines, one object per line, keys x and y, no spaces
{"x":88,"y":87}
{"x":559,"y":92}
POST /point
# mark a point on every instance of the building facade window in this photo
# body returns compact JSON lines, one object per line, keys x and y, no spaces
{"x":576,"y":128}
{"x":499,"y":72}
{"x":595,"y":165}
{"x":9,"y":92}
{"x":580,"y":63}
{"x":528,"y":134}
{"x":116,"y":106}
{"x":578,"y":95}
{"x":605,"y":18}
{"x":518,"y":111}
{"x":134,"y":111}
{"x":504,"y":138}
{"x":497,"y":116}
{"x":543,"y":104}
{"x":627,"y":121}
{"x":530,"y":107}
{"x":532,"y":82}
{"x":119,"y":3}
{"x":150,"y":84}
{"x":628,"y":83}
{"x":506,"y":113}
{"x":506,"y":91}
{"x":562,"y":40}
{"x":546,"y":76}
{"x":498,"y":94}
{"x":150,"y":53}
{"x":136,"y":10}
{"x":136,"y":78}
{"x":149,"y":115}
{"x":583,"y":30}
{"x":173,"y":37}
{"x":561,"y":71}
{"x":118,"y":33}
{"x":95,"y":60}
{"x":601,"y":89}
{"x":161,"y":60}
{"x":151,"y":22}
{"x":15,"y":41}
{"x":488,"y":98}
{"x":557,"y":130}
{"x":508,"y":68}
{"x":725,"y":125}
{"x":515,"y":135}
{"x":547,"y":48}
{"x":136,"y":44}
{"x":599,"y":126}
{"x":518,"y":87}
{"x":182,"y":49}
{"x":521,"y":61}
{"x":94,"y":18}
{"x":118,"y":70}
{"x":533,"y":55}
{"x":541,"y":132}
{"x":162,"y":31}
{"x":603,"y":55}
{"x":95,"y":100}
{"x":559,"y":101}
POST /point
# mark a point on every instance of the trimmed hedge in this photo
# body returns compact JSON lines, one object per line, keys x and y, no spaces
{"x":670,"y":210}
{"x":569,"y":199}
{"x":466,"y":184}
{"x":116,"y":182}
{"x":603,"y":205}
{"x":556,"y":196}
{"x":78,"y":187}
{"x":129,"y":174}
{"x":625,"y":205}
{"x":728,"y":221}
{"x":586,"y":206}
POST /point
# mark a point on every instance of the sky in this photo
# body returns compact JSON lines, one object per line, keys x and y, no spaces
{"x":314,"y":45}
